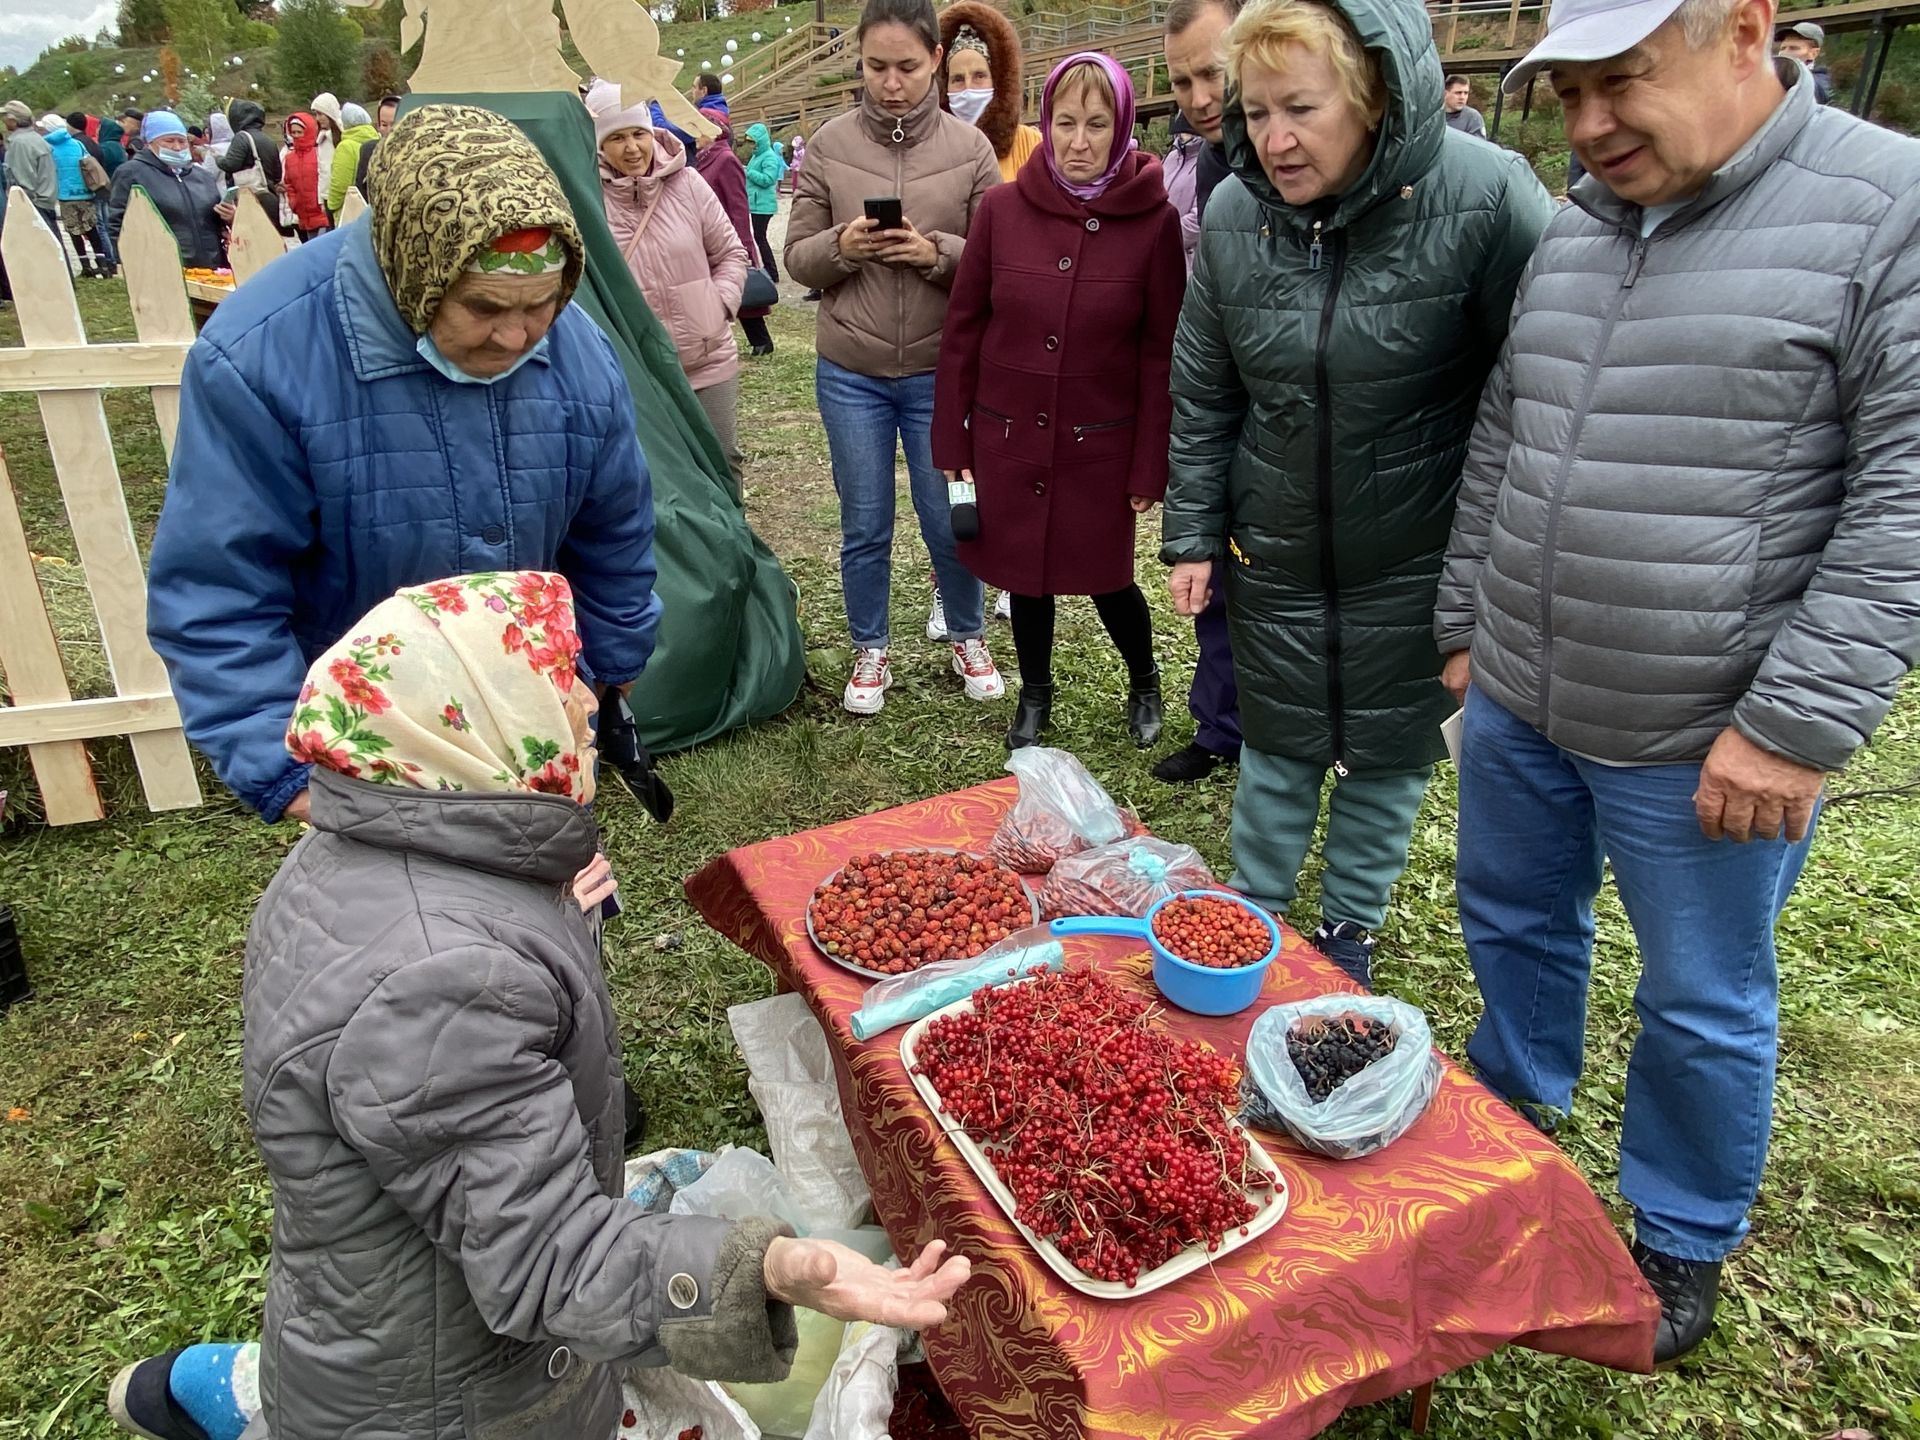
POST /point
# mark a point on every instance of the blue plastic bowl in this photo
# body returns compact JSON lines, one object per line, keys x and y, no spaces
{"x":1200,"y":989}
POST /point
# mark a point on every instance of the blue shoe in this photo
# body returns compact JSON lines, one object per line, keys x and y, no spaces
{"x":1349,"y":947}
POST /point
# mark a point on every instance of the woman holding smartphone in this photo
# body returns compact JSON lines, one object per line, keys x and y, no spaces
{"x":884,"y":270}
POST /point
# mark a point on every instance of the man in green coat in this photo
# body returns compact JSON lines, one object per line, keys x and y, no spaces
{"x":1349,"y":297}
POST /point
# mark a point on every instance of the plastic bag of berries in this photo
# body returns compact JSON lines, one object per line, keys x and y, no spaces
{"x":1345,"y":1075}
{"x":1124,"y":878}
{"x":1062,"y":810}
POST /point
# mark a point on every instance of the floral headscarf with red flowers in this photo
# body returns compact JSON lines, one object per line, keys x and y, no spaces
{"x":462,"y":684}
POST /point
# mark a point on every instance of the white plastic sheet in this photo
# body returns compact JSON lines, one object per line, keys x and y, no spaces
{"x":857,"y":1400}
{"x":664,"y":1405}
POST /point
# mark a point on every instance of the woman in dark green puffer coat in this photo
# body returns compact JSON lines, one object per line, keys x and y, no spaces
{"x":1348,"y":299}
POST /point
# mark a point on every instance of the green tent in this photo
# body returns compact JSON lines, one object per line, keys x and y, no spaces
{"x":730,"y":651}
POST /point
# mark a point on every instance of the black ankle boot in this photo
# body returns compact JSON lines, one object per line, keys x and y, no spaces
{"x":1033,"y":714}
{"x":1146,"y":713}
{"x":1689,"y":1290}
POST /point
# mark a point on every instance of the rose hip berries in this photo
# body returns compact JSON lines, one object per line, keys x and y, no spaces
{"x":891,"y":913}
{"x":1117,"y":1140}
{"x":1219,"y":934}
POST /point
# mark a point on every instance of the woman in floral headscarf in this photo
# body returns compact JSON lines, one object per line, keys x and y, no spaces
{"x":455,"y":412}
{"x":433,"y":1075}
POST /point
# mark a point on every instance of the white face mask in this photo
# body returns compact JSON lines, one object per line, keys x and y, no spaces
{"x":969,"y":105}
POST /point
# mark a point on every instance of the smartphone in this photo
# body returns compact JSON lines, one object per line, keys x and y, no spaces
{"x":884,"y":211}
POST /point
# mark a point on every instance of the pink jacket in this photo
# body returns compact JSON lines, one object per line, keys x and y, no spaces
{"x":690,"y":264}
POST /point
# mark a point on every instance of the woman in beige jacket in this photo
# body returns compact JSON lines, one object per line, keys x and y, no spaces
{"x":884,"y":300}
{"x":681,"y":248}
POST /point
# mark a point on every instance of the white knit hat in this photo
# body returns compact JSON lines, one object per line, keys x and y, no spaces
{"x":603,"y":104}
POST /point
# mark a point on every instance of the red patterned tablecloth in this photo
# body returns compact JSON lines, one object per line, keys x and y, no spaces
{"x":1469,"y":1233}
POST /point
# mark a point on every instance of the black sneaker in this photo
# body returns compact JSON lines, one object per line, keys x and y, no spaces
{"x":1349,"y":947}
{"x":141,"y":1403}
{"x":811,"y":295}
{"x":1688,"y":1290}
{"x":1190,"y":763}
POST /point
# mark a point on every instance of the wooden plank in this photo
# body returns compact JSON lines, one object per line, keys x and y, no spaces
{"x":73,"y":720}
{"x":92,"y":367}
{"x":82,"y":446}
{"x":353,"y":206}
{"x":1513,"y":23}
{"x":151,"y":262}
{"x":208,"y":294}
{"x":30,"y":656}
{"x":256,"y":241}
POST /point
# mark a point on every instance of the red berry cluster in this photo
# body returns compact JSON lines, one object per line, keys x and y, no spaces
{"x":896,"y":912}
{"x":1207,"y":931}
{"x":694,"y":1432}
{"x":1117,"y":1140}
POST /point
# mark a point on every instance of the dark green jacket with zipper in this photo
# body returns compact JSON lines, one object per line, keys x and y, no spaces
{"x":1326,"y":373}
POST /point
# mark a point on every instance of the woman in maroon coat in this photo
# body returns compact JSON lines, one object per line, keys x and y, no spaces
{"x":716,"y":164}
{"x":1052,"y":394}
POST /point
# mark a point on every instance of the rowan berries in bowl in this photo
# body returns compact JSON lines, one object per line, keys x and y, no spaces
{"x":889,"y":912}
{"x":1211,"y":949}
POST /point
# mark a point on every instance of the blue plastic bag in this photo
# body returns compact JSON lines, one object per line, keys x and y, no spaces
{"x":1365,"y":1113}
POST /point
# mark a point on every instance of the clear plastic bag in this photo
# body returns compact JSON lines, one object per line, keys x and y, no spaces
{"x":661,"y":1404}
{"x":857,"y":1401}
{"x":1124,"y":878}
{"x":902,"y":999}
{"x":1061,"y":811}
{"x":1365,"y":1113}
{"x":790,"y":1075}
{"x":741,"y":1184}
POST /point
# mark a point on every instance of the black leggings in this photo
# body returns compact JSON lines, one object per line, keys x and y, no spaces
{"x":1123,"y":612}
{"x":756,"y":328}
{"x":760,"y":223}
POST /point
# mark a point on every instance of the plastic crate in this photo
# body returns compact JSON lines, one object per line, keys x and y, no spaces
{"x":13,"y":965}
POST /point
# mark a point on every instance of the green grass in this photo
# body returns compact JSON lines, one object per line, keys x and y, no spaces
{"x":134,"y":1215}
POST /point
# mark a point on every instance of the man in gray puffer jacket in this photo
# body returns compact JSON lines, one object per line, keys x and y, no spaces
{"x":1684,"y":565}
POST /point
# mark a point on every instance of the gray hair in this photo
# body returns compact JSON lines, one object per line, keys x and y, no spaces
{"x":1705,"y":21}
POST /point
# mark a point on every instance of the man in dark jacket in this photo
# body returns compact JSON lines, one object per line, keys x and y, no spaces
{"x":1197,"y":70}
{"x":1683,"y":568}
{"x":1804,"y":42}
{"x":187,"y":197}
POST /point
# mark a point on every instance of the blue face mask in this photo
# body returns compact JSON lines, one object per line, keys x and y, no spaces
{"x":430,"y":353}
{"x":179,"y":160}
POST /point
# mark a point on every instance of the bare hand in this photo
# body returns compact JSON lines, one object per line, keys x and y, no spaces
{"x":963,"y":475}
{"x":907,"y":246}
{"x":299,"y":808}
{"x":225,"y":212}
{"x":1454,"y":675}
{"x":861,"y":240}
{"x":1747,"y":793}
{"x":1192,"y":586}
{"x":593,"y":886}
{"x":1141,"y":503}
{"x":827,"y":1276}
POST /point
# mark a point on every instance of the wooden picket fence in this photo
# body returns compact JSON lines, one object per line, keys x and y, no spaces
{"x":69,"y":375}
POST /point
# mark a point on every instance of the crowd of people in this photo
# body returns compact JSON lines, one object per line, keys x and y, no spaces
{"x":1424,"y":442}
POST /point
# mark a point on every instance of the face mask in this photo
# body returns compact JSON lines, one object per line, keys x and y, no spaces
{"x":179,"y":160}
{"x":430,"y":353}
{"x":969,"y":105}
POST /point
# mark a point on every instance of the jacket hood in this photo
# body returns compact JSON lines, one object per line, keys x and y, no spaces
{"x":1001,"y":119}
{"x":1411,"y":131}
{"x":110,"y":132}
{"x":543,"y":838}
{"x":246,"y":115}
{"x":1138,"y":186}
{"x":761,"y":137}
{"x":60,"y":139}
{"x":309,"y":137}
{"x":359,"y":132}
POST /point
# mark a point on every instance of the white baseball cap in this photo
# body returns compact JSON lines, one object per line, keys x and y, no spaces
{"x":1579,"y":30}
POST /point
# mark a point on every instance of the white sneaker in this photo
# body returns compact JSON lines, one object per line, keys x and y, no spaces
{"x":1003,"y":607}
{"x":866,"y":692}
{"x":972,"y":663}
{"x":937,"y":621}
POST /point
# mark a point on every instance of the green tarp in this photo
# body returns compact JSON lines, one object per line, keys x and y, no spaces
{"x":730,"y":651}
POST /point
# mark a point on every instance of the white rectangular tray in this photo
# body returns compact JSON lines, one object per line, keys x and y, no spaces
{"x":1193,"y":1258}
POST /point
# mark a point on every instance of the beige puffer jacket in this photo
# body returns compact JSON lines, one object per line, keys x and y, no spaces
{"x":876,"y":318}
{"x":690,"y":264}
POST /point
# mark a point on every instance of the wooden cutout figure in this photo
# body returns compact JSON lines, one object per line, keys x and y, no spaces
{"x":481,"y":46}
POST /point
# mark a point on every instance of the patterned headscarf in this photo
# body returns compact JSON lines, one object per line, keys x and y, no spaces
{"x":447,"y":182}
{"x":463,"y":684}
{"x":968,"y":38}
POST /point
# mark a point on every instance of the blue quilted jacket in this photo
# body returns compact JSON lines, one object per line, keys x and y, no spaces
{"x":322,"y":464}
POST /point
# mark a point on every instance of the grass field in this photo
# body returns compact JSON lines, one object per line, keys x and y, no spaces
{"x":135,"y":1217}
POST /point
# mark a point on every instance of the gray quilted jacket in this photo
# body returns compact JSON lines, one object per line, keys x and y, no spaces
{"x":1692,"y":497}
{"x":433,"y":1078}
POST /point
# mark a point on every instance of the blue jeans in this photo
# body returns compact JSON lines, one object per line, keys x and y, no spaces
{"x":1536,"y":823}
{"x":863,"y":415}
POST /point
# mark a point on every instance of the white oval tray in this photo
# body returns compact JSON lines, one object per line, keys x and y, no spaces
{"x":1194,"y":1257}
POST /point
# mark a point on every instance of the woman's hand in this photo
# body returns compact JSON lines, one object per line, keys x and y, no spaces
{"x":1192,"y":586}
{"x":964,"y":476}
{"x":827,"y":1276}
{"x":593,"y":886}
{"x":1141,"y":503}
{"x":1456,"y":675}
{"x":862,"y":240}
{"x":907,"y":246}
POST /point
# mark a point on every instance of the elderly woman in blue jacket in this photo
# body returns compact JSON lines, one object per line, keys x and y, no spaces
{"x":401,"y":399}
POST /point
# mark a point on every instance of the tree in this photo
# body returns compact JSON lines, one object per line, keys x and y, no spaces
{"x":380,"y":73}
{"x":316,"y":50}
{"x":142,"y":22}
{"x":197,"y":30}
{"x":170,"y":74}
